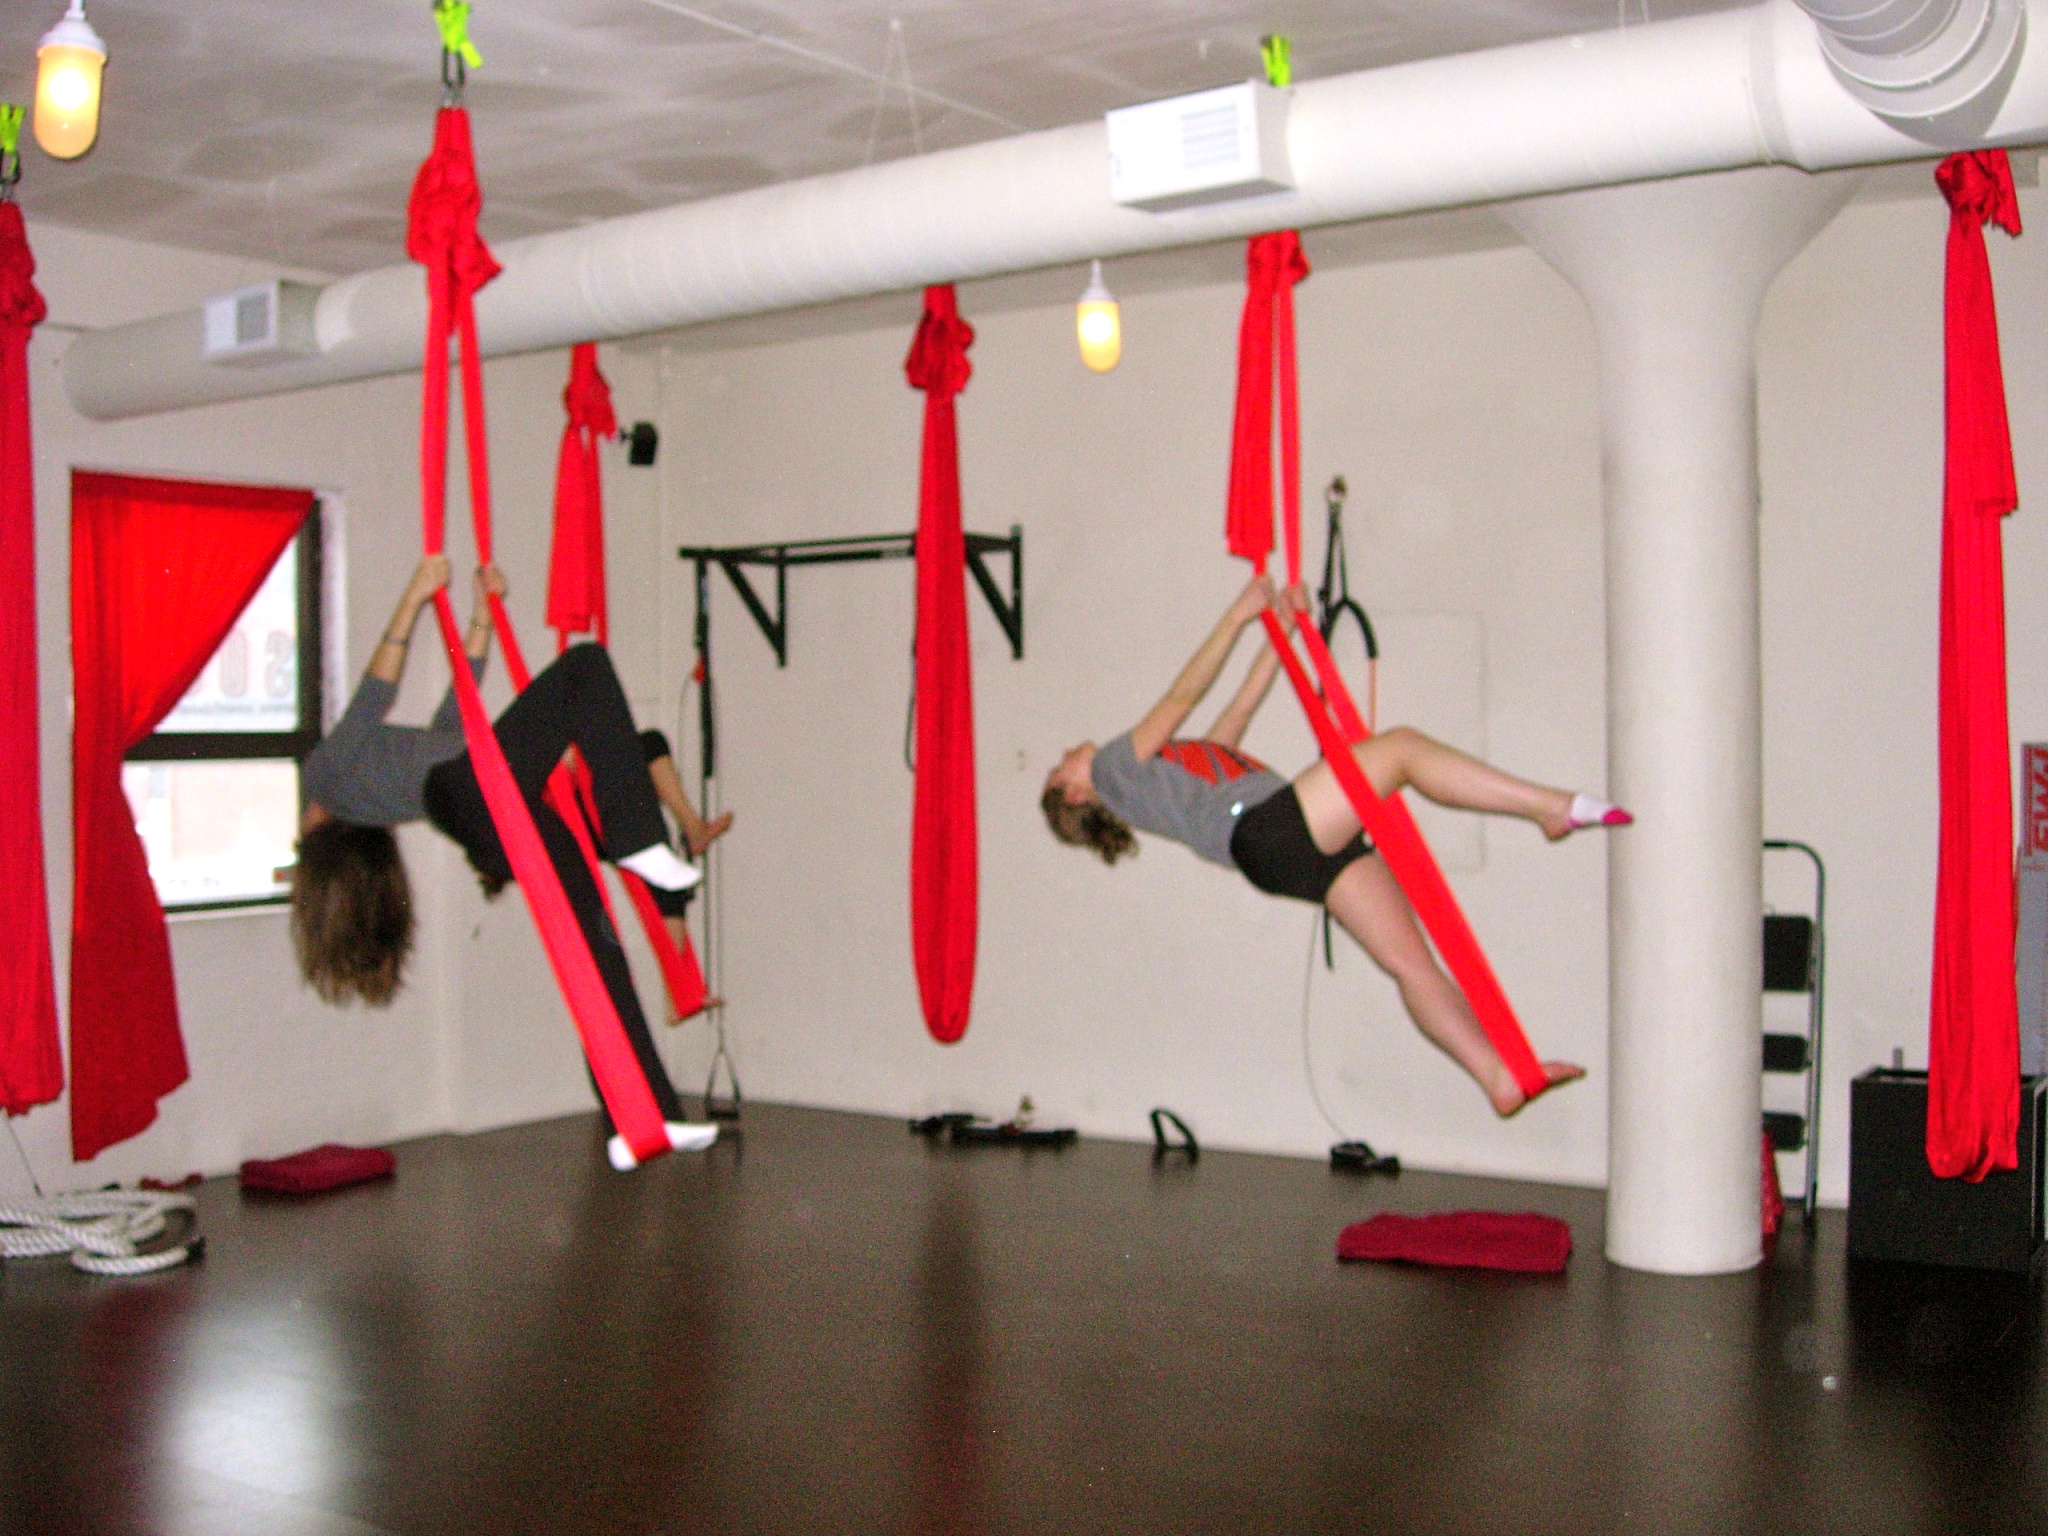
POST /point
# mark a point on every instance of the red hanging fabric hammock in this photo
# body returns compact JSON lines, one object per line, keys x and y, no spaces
{"x":160,"y":569}
{"x":1973,"y":1055}
{"x":576,"y":584}
{"x":943,"y":854}
{"x":31,"y":1062}
{"x":1266,"y":369}
{"x":441,"y":235}
{"x":578,"y":604}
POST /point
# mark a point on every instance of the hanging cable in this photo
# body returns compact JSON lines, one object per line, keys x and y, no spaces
{"x":20,"y":1151}
{"x":1308,"y":1060}
{"x":814,"y":56}
{"x":910,"y":710}
{"x":710,"y":803}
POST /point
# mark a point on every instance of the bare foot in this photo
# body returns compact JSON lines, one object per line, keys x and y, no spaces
{"x":708,"y":1005}
{"x":1510,"y":1100}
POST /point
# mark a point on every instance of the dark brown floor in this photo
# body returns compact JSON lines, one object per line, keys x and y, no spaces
{"x":827,"y":1326}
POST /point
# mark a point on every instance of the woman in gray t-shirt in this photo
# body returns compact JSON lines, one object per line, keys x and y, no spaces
{"x":1303,"y":839}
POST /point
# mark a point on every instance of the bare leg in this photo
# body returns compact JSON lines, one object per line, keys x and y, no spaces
{"x":1368,"y":902}
{"x":698,"y":834}
{"x":1403,"y":758}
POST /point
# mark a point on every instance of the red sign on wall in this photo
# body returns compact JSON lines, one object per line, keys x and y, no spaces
{"x":2034,"y":776}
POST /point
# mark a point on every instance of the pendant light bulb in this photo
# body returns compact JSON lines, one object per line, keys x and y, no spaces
{"x":1096,"y":323}
{"x":68,"y":64}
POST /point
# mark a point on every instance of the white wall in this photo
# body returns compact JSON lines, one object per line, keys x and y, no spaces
{"x":1850,"y":376}
{"x":477,"y":1038}
{"x":1458,"y":395}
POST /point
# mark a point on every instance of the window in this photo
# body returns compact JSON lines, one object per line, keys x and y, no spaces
{"x":215,"y":791}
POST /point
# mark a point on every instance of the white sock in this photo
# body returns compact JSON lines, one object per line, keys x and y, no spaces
{"x":1588,"y":812}
{"x":657,"y":864}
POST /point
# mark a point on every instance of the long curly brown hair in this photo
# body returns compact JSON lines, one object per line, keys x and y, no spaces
{"x":352,"y":918}
{"x":1093,"y":825}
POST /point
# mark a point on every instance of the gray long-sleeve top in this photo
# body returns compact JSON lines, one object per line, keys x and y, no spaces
{"x":374,"y":774}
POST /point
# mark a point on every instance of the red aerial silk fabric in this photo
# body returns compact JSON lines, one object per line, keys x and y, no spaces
{"x":1973,"y":1056}
{"x":1522,"y":1242}
{"x":576,"y":586}
{"x":577,"y":604}
{"x":160,"y":570}
{"x":1266,"y":369}
{"x":318,"y":1169}
{"x":943,"y":852}
{"x":31,"y":1063}
{"x":441,"y":235}
{"x":1773,"y":1191}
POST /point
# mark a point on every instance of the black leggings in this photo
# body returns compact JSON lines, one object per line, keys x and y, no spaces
{"x":576,"y":702}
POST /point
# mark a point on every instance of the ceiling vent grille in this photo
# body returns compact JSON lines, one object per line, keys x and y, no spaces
{"x":265,"y":323}
{"x":1211,"y":147}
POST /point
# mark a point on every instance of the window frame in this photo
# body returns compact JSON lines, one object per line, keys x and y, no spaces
{"x":294,"y":745}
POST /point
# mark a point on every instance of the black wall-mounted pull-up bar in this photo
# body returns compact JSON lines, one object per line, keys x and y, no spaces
{"x":734,"y":559}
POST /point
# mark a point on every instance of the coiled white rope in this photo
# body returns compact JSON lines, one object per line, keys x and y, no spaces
{"x":103,"y":1231}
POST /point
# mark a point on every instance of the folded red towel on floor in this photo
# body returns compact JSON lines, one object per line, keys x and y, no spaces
{"x":1514,"y":1240}
{"x":319,"y":1168}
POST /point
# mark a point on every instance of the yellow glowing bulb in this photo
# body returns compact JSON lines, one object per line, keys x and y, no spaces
{"x":1098,"y":325}
{"x":69,"y":87}
{"x":68,"y":65}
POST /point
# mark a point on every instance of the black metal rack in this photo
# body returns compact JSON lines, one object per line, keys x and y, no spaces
{"x":734,"y":559}
{"x":1795,"y":961}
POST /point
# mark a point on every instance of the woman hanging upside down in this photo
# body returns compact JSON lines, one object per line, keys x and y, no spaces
{"x":352,"y":917}
{"x":1303,"y":839}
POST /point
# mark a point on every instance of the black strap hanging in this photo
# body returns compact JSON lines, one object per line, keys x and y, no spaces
{"x":1334,"y":600}
{"x":1334,"y":603}
{"x":1162,"y":1144}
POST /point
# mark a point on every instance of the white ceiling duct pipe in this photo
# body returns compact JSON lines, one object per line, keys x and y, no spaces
{"x":1937,"y":68}
{"x":1672,"y":98}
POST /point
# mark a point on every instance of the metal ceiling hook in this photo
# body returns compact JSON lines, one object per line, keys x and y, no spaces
{"x":454,"y":76}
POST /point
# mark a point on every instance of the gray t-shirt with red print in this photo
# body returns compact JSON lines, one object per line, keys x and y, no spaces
{"x":1191,"y":791}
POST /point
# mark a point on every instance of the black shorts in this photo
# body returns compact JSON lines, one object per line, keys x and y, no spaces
{"x":1273,"y":848}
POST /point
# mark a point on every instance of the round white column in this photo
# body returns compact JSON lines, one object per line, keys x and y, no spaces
{"x":1674,"y":273}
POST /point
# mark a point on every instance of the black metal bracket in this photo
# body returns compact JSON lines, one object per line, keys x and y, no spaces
{"x":735,"y":559}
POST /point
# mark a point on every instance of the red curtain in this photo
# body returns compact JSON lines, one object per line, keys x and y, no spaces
{"x":943,"y":854}
{"x":160,"y":570}
{"x":576,"y":595}
{"x":1973,"y":1055}
{"x":31,"y":1064}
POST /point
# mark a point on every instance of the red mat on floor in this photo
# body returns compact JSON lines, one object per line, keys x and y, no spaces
{"x":332,"y":1166}
{"x":1521,"y":1241}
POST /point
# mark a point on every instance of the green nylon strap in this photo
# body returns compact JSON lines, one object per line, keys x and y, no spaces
{"x":1278,"y":54}
{"x":10,"y":127}
{"x":452,"y":17}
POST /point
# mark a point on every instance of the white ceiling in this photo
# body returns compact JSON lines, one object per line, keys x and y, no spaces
{"x":287,"y":131}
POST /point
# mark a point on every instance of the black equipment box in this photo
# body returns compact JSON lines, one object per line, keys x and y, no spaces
{"x":1899,"y":1210}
